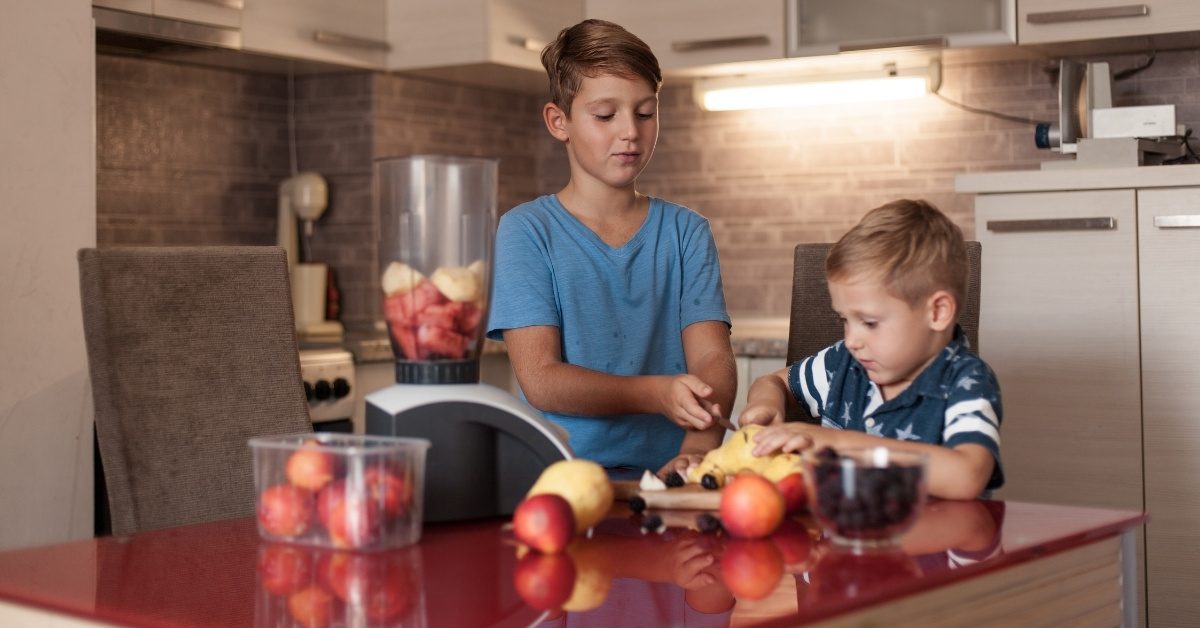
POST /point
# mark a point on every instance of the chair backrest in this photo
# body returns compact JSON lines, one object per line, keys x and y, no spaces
{"x":191,"y":351}
{"x":813,"y":324}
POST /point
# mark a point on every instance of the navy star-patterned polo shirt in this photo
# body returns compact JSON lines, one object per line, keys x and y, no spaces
{"x":955,"y":400}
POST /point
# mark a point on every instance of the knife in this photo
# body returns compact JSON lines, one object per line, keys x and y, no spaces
{"x":724,"y":422}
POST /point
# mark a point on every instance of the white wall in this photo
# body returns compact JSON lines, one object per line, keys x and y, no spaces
{"x":47,"y":212}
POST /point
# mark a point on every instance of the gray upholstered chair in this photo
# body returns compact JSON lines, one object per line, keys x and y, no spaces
{"x":813,"y":324}
{"x":191,"y":351}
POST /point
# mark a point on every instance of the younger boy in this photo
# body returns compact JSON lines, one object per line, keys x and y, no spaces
{"x":904,"y":375}
{"x":610,"y":301}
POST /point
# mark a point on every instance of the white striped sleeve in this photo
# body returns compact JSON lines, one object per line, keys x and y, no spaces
{"x":810,"y":382}
{"x":971,"y":416}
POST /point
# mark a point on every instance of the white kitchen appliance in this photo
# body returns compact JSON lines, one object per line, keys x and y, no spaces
{"x":329,"y":385}
{"x":305,"y":196}
{"x":437,"y":220}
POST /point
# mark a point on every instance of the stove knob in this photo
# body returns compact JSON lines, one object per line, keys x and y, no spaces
{"x":308,"y":391}
{"x":341,"y":388}
{"x":322,"y":390}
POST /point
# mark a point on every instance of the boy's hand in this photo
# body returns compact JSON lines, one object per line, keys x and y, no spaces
{"x":685,"y":402}
{"x":681,"y":464}
{"x":760,"y":414}
{"x":787,"y":437}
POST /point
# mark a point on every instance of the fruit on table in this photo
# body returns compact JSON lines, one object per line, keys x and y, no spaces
{"x":310,"y":468}
{"x":736,"y":454}
{"x":751,"y":569}
{"x":875,"y":503}
{"x":437,"y":317}
{"x":584,"y":485}
{"x":544,"y":522}
{"x":751,"y":506}
{"x":285,"y":510}
{"x":795,"y":494}
{"x":544,"y":581}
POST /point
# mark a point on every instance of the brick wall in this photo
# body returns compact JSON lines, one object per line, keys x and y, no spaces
{"x":194,"y":155}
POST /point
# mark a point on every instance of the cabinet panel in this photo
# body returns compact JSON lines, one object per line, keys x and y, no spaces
{"x":346,"y":33}
{"x":1059,"y":325}
{"x":690,"y":33}
{"x":134,"y":6}
{"x":829,"y":26}
{"x":226,"y":13}
{"x":1044,"y":21}
{"x":519,"y":29}
{"x":1170,"y":299}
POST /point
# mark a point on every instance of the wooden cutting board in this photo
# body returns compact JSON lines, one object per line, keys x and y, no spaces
{"x":686,"y":497}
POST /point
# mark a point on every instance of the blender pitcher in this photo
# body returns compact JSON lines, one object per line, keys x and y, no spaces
{"x":437,"y":225}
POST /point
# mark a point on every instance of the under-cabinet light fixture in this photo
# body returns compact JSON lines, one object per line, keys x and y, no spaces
{"x":750,"y":92}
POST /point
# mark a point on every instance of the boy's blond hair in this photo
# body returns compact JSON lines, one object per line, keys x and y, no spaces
{"x":592,"y":48}
{"x":913,"y":248}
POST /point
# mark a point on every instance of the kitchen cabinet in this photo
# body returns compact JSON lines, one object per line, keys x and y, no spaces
{"x":1088,"y":303}
{"x":345,"y":33}
{"x":689,"y":33}
{"x":1047,"y":21}
{"x":133,"y":6}
{"x":488,"y":42}
{"x":224,"y":13}
{"x":818,"y":27}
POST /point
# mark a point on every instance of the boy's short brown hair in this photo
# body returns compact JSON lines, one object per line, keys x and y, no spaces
{"x":910,"y":245}
{"x":591,"y":48}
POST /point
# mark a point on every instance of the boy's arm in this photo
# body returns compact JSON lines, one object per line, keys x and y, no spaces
{"x":551,"y":385}
{"x":710,"y":358}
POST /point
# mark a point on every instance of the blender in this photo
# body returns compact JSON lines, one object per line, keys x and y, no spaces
{"x":437,"y":224}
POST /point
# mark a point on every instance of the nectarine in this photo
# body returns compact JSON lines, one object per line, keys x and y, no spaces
{"x":544,"y":522}
{"x":751,"y":506}
{"x":285,"y":510}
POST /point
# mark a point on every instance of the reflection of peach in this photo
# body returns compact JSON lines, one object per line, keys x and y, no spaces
{"x":593,"y":575}
{"x":309,"y":467}
{"x":383,"y":586}
{"x":283,"y":569}
{"x":751,"y":569}
{"x":285,"y":510}
{"x":311,"y":607}
{"x":544,"y":581}
{"x":751,"y":506}
{"x":793,"y":542}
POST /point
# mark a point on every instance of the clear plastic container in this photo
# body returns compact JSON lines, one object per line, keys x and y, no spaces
{"x":343,"y":491}
{"x":437,"y":223}
{"x":865,"y":497}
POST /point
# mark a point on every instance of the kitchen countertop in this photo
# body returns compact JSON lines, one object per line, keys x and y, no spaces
{"x":750,"y":336}
{"x":1078,"y":179}
{"x":973,"y":560}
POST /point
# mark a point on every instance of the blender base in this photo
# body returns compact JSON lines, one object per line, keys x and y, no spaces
{"x":488,"y":447}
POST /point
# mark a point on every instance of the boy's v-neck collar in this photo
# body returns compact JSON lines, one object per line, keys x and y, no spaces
{"x":629,"y":245}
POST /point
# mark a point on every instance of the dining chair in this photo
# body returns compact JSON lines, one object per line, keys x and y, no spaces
{"x":813,"y":325}
{"x":191,"y":351}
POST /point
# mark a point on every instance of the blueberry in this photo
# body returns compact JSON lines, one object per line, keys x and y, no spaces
{"x":637,"y":504}
{"x":709,"y":481}
{"x":674,"y":480}
{"x":652,"y":523}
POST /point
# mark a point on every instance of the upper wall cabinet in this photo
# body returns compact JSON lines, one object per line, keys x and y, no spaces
{"x":819,"y":27}
{"x":332,"y":31}
{"x":227,"y":13}
{"x":491,"y":42}
{"x":1047,"y":21}
{"x":689,"y":33}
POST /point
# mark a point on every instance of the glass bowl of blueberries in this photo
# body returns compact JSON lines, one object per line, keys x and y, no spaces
{"x":865,"y":498}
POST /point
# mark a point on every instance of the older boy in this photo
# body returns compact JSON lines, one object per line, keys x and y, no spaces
{"x":904,"y":376}
{"x":610,"y":301}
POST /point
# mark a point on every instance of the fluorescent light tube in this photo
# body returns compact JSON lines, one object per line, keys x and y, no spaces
{"x":729,"y":94}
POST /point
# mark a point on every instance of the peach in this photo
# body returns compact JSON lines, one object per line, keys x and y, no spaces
{"x":310,"y":468}
{"x":751,"y":569}
{"x":353,"y":522}
{"x":544,"y":522}
{"x":751,"y":507}
{"x":285,"y":510}
{"x":795,"y":494}
{"x":544,"y":581}
{"x":389,"y":490}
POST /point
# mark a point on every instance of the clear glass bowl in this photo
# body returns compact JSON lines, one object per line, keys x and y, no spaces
{"x":865,"y":497}
{"x":341,"y":491}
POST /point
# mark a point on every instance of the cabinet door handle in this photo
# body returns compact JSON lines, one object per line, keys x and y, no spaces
{"x":1052,"y":224}
{"x":936,"y":42}
{"x":698,"y":45}
{"x":1079,"y":15}
{"x":1183,"y":221}
{"x":228,"y":4}
{"x":526,"y":43}
{"x":338,"y":39}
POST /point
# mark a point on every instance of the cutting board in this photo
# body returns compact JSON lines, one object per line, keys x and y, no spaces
{"x":686,"y":497}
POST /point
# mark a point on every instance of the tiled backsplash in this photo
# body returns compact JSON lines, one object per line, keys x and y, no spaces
{"x":194,"y":155}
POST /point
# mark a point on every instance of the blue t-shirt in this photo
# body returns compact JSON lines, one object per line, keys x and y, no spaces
{"x":955,"y":400}
{"x":619,"y":310}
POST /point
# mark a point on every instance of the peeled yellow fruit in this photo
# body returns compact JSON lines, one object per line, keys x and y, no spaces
{"x":736,"y":454}
{"x":399,"y":278}
{"x":457,"y":283}
{"x":583,"y":484}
